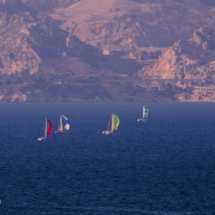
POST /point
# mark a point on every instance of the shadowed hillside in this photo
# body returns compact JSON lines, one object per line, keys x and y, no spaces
{"x":76,"y":50}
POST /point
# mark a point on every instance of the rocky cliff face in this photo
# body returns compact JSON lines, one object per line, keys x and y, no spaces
{"x":128,"y":26}
{"x":41,"y":62}
{"x":16,"y":53}
{"x":190,"y":59}
{"x":72,"y":50}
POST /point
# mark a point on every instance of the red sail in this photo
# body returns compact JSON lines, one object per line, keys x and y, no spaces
{"x":49,"y":131}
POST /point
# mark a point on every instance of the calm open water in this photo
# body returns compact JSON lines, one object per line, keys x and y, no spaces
{"x":163,"y":166}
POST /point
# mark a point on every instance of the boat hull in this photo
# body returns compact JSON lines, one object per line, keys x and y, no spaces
{"x":110,"y":132}
{"x":43,"y":139}
{"x":143,"y":120}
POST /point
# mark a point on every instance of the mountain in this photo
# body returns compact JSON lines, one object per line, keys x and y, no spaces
{"x":78,"y":50}
{"x":41,"y":62}
{"x":129,"y":26}
{"x":187,"y":59}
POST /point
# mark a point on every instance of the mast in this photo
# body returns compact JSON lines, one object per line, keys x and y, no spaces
{"x":60,"y":128}
{"x":143,"y":111}
{"x":112,"y":124}
{"x":45,"y":128}
{"x":108,"y":127}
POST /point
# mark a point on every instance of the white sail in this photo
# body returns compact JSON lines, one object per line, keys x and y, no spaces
{"x":45,"y":128}
{"x":67,"y":124}
{"x":112,"y":124}
{"x":60,"y":128}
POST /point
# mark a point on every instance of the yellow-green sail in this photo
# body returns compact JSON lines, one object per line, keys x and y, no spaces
{"x":115,"y":122}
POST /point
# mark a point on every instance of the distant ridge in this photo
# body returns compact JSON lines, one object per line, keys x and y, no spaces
{"x":77,"y":50}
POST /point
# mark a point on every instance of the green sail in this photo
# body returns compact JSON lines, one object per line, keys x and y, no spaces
{"x":115,"y":121}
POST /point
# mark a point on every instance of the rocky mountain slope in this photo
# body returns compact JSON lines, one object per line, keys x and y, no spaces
{"x":128,"y":26}
{"x":76,"y":50}
{"x":187,"y":59}
{"x":41,"y":62}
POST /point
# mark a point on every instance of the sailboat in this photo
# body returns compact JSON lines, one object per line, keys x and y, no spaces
{"x":112,"y":124}
{"x":48,"y":130}
{"x":145,"y":114}
{"x":62,"y":129}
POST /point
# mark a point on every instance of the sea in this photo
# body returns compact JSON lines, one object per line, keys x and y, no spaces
{"x":164,"y":166}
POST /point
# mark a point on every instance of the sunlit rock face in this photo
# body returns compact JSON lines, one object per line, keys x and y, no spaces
{"x":66,"y":50}
{"x":190,"y":59}
{"x":16,"y":53}
{"x":24,"y":43}
{"x":126,"y":26}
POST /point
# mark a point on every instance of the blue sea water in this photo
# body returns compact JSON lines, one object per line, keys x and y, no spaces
{"x":165,"y":166}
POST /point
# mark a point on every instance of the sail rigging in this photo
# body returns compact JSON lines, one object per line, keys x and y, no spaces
{"x":49,"y":130}
{"x":108,"y":127}
{"x":63,"y":127}
{"x":112,"y":124}
{"x":45,"y":128}
{"x":145,"y":112}
{"x":67,"y":124}
{"x":60,"y":127}
{"x":115,"y":122}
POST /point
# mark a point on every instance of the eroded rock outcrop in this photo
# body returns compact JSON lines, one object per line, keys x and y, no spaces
{"x":125,"y":26}
{"x":190,"y":59}
{"x":16,"y":53}
{"x":87,"y":45}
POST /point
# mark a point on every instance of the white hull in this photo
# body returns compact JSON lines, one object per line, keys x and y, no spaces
{"x":43,"y":138}
{"x":108,"y":132}
{"x":142,"y":120}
